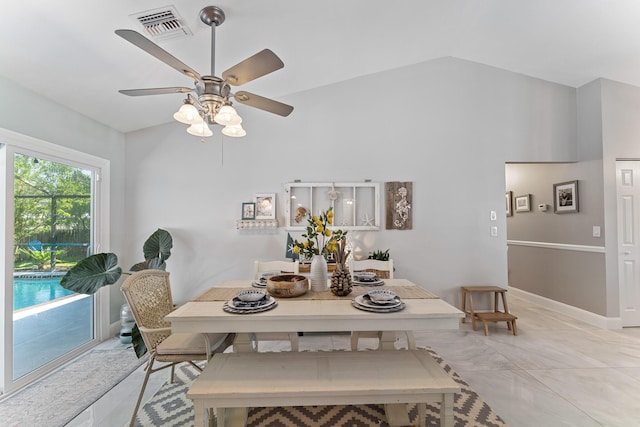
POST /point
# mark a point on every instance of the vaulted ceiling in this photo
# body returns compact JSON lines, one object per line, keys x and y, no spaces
{"x":67,"y":51}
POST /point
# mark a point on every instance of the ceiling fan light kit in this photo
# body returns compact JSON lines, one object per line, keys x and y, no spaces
{"x":213,"y":104}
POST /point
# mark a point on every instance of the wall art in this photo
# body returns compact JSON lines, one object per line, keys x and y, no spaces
{"x":565,"y":197}
{"x":248,"y":210}
{"x":523,"y":203}
{"x":265,"y":205}
{"x":509,"y":199}
{"x":399,"y":205}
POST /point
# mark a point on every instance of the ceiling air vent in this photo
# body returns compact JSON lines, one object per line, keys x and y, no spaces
{"x":162,"y":24}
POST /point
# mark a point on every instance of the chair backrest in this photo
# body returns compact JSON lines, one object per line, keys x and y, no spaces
{"x":383,"y":269}
{"x":282,"y":266}
{"x":148,"y":293}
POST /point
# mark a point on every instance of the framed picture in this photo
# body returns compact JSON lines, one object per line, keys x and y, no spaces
{"x":509,"y":199}
{"x":248,"y":210}
{"x":565,"y":197}
{"x":266,"y":206}
{"x":523,"y":203}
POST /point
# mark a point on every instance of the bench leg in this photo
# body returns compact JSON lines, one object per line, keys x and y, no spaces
{"x":446,"y":411}
{"x":486,"y":327}
{"x":513,"y":327}
{"x":422,"y":414}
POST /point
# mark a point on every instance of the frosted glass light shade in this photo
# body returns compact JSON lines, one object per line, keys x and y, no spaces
{"x":227,"y":116}
{"x":199,"y":129}
{"x":187,"y":114}
{"x":235,"y":131}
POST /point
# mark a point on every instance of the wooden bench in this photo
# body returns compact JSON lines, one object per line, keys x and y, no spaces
{"x":244,"y":380}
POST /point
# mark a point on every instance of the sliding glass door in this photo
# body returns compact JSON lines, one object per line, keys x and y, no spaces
{"x":49,"y":206}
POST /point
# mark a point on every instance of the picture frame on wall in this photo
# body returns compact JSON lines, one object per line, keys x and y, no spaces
{"x":248,"y":210}
{"x":509,"y":200}
{"x":565,"y":197}
{"x":523,"y":203}
{"x":265,"y":205}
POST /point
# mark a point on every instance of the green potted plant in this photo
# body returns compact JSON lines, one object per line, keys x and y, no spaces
{"x":98,"y":270}
{"x":380,"y":255}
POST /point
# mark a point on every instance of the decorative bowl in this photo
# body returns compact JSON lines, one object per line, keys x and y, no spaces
{"x":250,"y":295}
{"x":287,"y":285}
{"x":381,"y":295}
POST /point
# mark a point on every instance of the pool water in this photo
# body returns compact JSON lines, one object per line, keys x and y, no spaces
{"x":29,"y":292}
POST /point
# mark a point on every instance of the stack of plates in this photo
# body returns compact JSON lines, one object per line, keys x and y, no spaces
{"x":378,"y":301}
{"x":249,"y":301}
{"x":262,"y":281}
{"x":365,"y":278}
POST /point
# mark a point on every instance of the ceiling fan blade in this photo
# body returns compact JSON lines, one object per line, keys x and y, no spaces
{"x":258,"y":65}
{"x":263,"y":103}
{"x":155,"y":91}
{"x":154,"y":50}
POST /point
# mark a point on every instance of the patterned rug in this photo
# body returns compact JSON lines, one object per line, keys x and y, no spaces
{"x":170,"y":408}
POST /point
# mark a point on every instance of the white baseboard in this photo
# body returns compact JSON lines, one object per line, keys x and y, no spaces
{"x":577,"y":313}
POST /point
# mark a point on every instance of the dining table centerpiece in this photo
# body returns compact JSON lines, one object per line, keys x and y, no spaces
{"x":341,"y":283}
{"x":319,"y":243}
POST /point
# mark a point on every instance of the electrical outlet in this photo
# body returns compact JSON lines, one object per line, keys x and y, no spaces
{"x":494,"y":215}
{"x":494,"y":231}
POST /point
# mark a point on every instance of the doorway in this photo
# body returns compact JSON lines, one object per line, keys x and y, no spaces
{"x":628,"y":200}
{"x":50,"y":211}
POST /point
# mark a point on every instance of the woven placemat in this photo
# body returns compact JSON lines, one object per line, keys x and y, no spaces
{"x":404,"y":292}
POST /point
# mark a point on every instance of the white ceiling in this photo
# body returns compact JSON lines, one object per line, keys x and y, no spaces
{"x":67,"y":51}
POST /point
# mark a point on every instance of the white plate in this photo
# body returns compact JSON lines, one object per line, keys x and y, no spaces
{"x":230,"y":309}
{"x":237,"y":304}
{"x":378,"y":283}
{"x":366,"y":302}
{"x":378,"y":309}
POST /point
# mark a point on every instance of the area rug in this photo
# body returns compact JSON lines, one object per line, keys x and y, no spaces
{"x":59,"y":397}
{"x":171,"y":408}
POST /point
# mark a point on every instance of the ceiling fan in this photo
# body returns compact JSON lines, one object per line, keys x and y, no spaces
{"x":212,"y":104}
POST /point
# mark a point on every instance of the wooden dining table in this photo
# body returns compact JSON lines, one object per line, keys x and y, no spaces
{"x":315,"y":312}
{"x":318,"y":312}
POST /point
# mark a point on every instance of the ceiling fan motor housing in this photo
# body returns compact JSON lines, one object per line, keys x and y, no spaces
{"x":213,"y":93}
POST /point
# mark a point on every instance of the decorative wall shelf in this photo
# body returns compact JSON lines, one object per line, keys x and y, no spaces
{"x":356,"y":205}
{"x":256,"y":224}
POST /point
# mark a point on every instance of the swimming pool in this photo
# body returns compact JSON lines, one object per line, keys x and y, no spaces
{"x":30,"y":292}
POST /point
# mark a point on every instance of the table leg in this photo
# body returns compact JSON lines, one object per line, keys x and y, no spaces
{"x":397,"y":414}
{"x":446,"y":411}
{"x":504,"y":302}
{"x":387,"y":340}
{"x":198,"y":407}
{"x":242,"y":343}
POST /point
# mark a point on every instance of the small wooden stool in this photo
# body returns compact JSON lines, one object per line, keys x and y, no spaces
{"x":495,"y":316}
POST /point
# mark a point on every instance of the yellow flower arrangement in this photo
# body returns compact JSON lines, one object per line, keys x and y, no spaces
{"x":320,"y":240}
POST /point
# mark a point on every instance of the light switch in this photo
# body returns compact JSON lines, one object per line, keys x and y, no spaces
{"x":494,"y":216}
{"x":596,"y":231}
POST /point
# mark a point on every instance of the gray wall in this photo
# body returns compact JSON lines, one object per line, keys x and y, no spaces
{"x":460,"y":122}
{"x":26,"y":112}
{"x":574,"y":277}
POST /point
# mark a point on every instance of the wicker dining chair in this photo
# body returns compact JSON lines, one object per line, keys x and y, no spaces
{"x":284,"y":267}
{"x":148,"y":293}
{"x":384,"y":270}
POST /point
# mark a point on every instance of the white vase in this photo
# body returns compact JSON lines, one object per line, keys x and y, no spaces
{"x":318,"y":277}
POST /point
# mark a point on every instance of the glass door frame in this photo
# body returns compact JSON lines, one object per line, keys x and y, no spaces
{"x":10,"y":144}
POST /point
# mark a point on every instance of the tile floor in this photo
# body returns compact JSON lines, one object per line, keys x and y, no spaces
{"x":556,"y":372}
